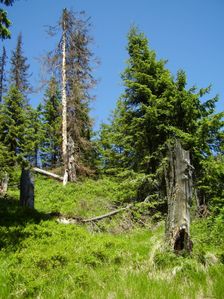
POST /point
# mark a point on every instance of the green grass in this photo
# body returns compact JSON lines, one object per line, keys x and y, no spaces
{"x":116,"y":258}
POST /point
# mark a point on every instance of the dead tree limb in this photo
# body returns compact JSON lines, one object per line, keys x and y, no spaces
{"x":73,"y":220}
{"x":47,"y":173}
{"x":97,"y":218}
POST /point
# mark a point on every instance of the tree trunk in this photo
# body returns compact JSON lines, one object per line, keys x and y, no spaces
{"x":68,"y":146}
{"x":4,"y":184}
{"x":64,"y":96}
{"x":26,"y":189}
{"x":71,"y":160}
{"x":179,"y":195}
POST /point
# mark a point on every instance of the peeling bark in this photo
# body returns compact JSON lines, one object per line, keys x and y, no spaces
{"x":179,"y":196}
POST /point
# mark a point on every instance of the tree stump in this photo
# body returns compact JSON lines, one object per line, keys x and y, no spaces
{"x":26,"y":189}
{"x":179,"y":196}
{"x":4,"y":184}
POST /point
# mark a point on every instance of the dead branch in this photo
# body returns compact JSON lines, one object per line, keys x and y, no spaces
{"x":73,"y":220}
{"x":47,"y":173}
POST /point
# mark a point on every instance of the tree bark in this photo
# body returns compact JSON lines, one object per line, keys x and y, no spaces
{"x":26,"y":189}
{"x":4,"y":184}
{"x":71,"y":160}
{"x":179,"y":195}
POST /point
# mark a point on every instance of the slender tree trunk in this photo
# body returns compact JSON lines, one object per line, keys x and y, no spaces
{"x":26,"y":189}
{"x":64,"y":97}
{"x":179,"y":195}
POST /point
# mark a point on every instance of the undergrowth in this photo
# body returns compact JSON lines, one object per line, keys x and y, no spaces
{"x":119,"y":257}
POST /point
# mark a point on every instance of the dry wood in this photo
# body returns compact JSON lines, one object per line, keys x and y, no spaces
{"x":64,"y":220}
{"x":47,"y":173}
{"x":97,"y":218}
{"x":64,"y":95}
{"x":26,"y":189}
{"x":179,"y":195}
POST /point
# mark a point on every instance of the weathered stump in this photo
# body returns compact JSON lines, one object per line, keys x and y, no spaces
{"x":179,"y":196}
{"x":4,"y":184}
{"x":26,"y":189}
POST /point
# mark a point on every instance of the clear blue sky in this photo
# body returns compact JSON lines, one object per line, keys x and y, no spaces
{"x":189,"y":33}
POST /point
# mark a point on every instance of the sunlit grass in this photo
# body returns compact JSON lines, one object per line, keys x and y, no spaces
{"x":117,"y":258}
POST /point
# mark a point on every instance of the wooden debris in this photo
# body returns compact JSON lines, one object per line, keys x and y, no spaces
{"x":47,"y":173}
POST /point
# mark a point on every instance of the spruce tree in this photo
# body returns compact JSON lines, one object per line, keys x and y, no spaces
{"x":38,"y":132}
{"x":154,"y":110}
{"x":51,"y":112}
{"x":75,"y":57}
{"x":15,"y":126}
{"x":19,"y":68}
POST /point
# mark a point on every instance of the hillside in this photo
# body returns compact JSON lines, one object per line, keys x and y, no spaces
{"x":119,"y":257}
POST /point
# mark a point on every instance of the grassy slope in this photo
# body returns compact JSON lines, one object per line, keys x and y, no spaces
{"x":116,"y":258}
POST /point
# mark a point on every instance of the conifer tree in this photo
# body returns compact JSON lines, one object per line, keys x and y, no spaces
{"x":15,"y":126}
{"x":36,"y":127}
{"x":51,"y":111}
{"x":154,"y":110}
{"x":76,"y":79}
{"x":19,"y":68}
{"x":4,"y":21}
{"x":2,"y":73}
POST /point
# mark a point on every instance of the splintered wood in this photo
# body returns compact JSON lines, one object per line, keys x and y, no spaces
{"x":179,"y":196}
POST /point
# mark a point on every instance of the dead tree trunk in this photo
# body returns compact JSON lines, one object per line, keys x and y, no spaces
{"x":4,"y":184}
{"x":26,"y":189}
{"x":179,"y":195}
{"x":67,"y":142}
{"x":64,"y":98}
{"x":71,"y":160}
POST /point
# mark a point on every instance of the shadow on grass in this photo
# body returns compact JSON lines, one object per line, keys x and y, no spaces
{"x":13,"y":220}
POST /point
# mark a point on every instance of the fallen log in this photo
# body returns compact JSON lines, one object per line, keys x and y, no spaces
{"x":64,"y":220}
{"x":47,"y":173}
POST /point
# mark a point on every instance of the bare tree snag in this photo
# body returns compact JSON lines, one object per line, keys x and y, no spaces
{"x":64,"y":96}
{"x":179,"y":195}
{"x":4,"y":184}
{"x":47,"y":173}
{"x":26,"y":189}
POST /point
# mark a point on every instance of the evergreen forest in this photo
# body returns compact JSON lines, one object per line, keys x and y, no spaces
{"x":133,"y":210}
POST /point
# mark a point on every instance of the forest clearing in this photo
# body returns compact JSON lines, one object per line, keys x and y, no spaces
{"x":131,"y":209}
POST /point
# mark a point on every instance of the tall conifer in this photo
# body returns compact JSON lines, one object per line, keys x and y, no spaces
{"x":2,"y":73}
{"x":19,"y":68}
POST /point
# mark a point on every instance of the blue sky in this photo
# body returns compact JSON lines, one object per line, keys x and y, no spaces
{"x":189,"y":33}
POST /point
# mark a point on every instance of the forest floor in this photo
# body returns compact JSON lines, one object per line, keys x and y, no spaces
{"x":119,"y":257}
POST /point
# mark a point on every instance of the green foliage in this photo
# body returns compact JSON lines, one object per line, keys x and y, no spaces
{"x":4,"y":25}
{"x":15,"y":126}
{"x":154,"y":110}
{"x":51,"y":120}
{"x":19,"y":68}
